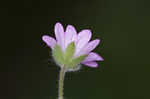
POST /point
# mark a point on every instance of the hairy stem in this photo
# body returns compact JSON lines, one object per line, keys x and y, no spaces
{"x":61,"y":82}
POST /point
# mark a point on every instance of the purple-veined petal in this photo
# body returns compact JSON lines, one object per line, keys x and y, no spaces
{"x":91,"y":46}
{"x":70,"y":35}
{"x":83,"y":38}
{"x":93,"y":57}
{"x":60,"y":35}
{"x":90,"y":64}
{"x":49,"y":41}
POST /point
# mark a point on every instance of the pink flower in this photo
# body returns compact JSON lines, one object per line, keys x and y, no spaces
{"x":83,"y":45}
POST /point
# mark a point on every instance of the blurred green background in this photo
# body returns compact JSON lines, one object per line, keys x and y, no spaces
{"x":27,"y":70}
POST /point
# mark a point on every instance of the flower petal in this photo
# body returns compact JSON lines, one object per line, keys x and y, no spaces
{"x":49,"y":41}
{"x":90,"y":64}
{"x":60,"y":35}
{"x":93,"y":57}
{"x":70,"y":35}
{"x":91,"y":46}
{"x":83,"y":38}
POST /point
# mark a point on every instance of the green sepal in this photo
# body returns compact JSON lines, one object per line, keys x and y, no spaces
{"x":69,"y":52}
{"x":66,"y":58}
{"x":58,"y":55}
{"x":75,"y":61}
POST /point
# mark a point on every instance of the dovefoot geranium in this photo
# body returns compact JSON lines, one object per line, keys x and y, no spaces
{"x":70,"y":49}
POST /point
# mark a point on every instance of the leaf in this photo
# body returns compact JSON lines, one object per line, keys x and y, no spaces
{"x":69,"y":52}
{"x":58,"y":54}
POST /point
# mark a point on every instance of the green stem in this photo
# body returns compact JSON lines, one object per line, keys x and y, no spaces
{"x":61,"y":82}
